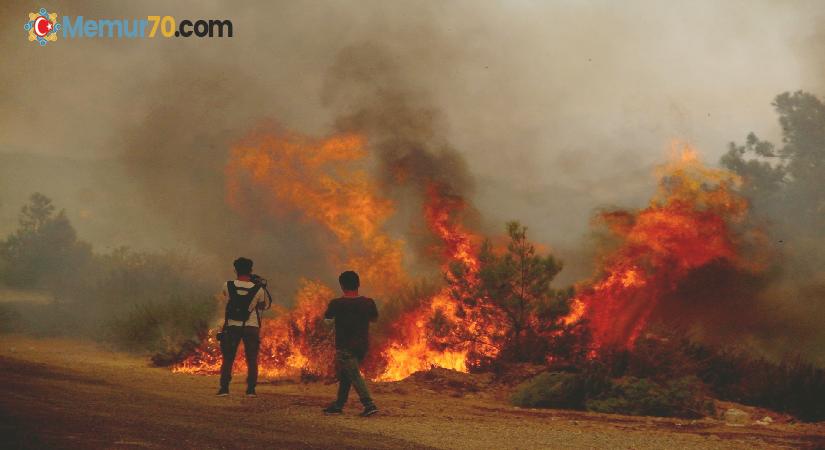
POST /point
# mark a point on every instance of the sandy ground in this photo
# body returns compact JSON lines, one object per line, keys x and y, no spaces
{"x":69,"y":394}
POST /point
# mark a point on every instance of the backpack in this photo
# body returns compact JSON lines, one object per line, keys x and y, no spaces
{"x":237,"y":308}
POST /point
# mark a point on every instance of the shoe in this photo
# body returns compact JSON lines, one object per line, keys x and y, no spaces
{"x":333,"y":409}
{"x":250,"y":392}
{"x":223,"y":392}
{"x":369,"y":410}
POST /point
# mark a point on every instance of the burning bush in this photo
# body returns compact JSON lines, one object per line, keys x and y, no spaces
{"x":294,"y":342}
{"x":497,"y":307}
{"x":691,"y":223}
{"x":517,"y":284}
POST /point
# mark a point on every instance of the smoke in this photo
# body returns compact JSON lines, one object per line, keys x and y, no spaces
{"x":406,"y":133}
{"x":811,"y":48}
{"x":179,"y":153}
{"x":405,"y":127}
{"x":183,"y":172}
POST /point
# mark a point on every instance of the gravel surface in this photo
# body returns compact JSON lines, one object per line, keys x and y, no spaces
{"x":70,"y":394}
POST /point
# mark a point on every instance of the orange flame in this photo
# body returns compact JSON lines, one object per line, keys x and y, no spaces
{"x":688,"y":224}
{"x":321,"y":180}
{"x":295,"y":342}
{"x":444,"y":331}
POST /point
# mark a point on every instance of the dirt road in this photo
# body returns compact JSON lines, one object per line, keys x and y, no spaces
{"x":68,"y":394}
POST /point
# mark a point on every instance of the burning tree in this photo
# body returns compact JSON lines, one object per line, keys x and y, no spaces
{"x":452,"y":328}
{"x":517,"y":284}
{"x":694,"y":221}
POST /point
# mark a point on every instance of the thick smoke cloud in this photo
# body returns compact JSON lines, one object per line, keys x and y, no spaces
{"x":404,"y":126}
{"x":406,"y":134}
{"x":179,"y":152}
{"x":557,"y":108}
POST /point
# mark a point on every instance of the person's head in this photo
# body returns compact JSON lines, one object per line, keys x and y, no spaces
{"x":243,"y":266}
{"x":349,"y":281}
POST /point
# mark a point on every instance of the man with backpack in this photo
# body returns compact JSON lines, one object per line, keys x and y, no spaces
{"x":245,"y":298}
{"x":352,"y":314}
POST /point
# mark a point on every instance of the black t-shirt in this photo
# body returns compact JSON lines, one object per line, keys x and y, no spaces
{"x":352,"y":322}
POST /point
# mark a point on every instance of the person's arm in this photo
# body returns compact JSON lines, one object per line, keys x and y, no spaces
{"x":223,"y":297}
{"x":256,"y":307}
{"x":373,"y":312}
{"x":329,"y":315}
{"x":259,"y":301}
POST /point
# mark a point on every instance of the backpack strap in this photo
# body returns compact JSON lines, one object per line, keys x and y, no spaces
{"x":230,"y":288}
{"x":252,"y":293}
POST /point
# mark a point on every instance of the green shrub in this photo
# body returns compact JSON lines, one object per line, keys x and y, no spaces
{"x":146,"y":301}
{"x":591,"y":390}
{"x":683,"y":397}
{"x":165,"y":328}
{"x":792,"y":385}
{"x":9,"y":318}
{"x":551,"y":390}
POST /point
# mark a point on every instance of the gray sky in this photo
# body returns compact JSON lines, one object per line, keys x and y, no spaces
{"x":558,"y":107}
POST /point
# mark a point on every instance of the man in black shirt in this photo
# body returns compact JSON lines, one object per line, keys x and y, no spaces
{"x":352,"y":314}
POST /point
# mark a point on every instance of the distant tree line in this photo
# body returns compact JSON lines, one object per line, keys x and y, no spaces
{"x":141,"y":301}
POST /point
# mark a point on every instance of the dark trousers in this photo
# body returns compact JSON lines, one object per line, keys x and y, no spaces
{"x":229,"y":347}
{"x":349,"y":375}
